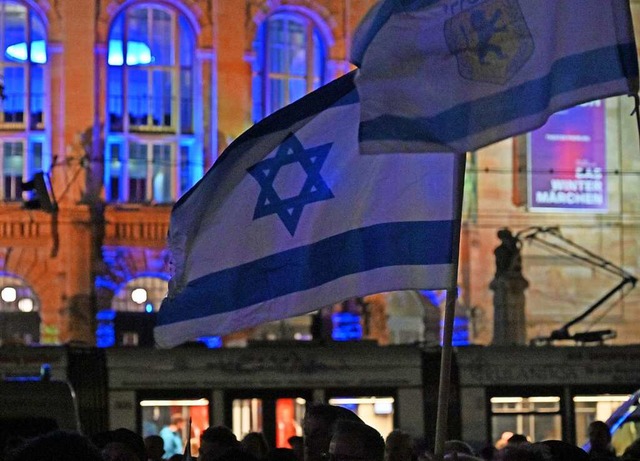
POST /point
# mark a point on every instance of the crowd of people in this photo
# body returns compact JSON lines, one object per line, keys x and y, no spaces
{"x":330,"y":433}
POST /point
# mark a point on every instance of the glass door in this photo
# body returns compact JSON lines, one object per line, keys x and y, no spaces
{"x":276,"y":414}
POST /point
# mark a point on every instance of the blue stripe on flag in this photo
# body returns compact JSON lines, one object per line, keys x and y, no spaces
{"x":303,"y":268}
{"x":567,"y":74}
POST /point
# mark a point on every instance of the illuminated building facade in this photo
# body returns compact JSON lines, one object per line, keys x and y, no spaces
{"x":124,"y":104}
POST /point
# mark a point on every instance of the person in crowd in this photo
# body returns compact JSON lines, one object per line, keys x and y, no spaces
{"x":281,"y":454}
{"x":459,"y":447}
{"x":297,"y":445}
{"x":517,"y":439}
{"x":503,"y":440}
{"x":154,"y":446}
{"x":454,"y":456}
{"x":524,"y":451}
{"x":255,"y":443}
{"x":487,"y":453}
{"x":118,"y":451}
{"x":398,"y":446}
{"x":317,"y":428}
{"x":172,"y":436}
{"x":564,"y":451}
{"x":456,"y":450}
{"x":600,"y":440}
{"x":121,"y":444}
{"x":632,"y":452}
{"x":57,"y":446}
{"x":219,"y":443}
{"x":353,"y":440}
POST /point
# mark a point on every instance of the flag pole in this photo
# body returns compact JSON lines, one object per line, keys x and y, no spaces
{"x":444,"y":388}
{"x":186,"y":456}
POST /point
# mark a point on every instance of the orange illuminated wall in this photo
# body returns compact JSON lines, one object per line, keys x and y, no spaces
{"x":285,"y":422}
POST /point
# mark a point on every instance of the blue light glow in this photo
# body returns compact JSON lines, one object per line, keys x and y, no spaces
{"x":105,"y":331}
{"x":137,"y":53}
{"x":212,"y":342}
{"x":622,"y":420}
{"x":22,"y":379}
{"x":460,"y":331}
{"x":349,"y":406}
{"x":18,"y":52}
{"x":346,"y":327}
{"x":434,"y":297}
{"x":148,"y":308}
{"x":106,"y":314}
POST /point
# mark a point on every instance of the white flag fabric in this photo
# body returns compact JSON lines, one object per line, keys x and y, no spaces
{"x":458,"y":75}
{"x":292,"y":218}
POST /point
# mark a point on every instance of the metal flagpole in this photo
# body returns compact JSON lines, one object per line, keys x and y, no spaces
{"x":444,"y":388}
{"x":187,"y":447}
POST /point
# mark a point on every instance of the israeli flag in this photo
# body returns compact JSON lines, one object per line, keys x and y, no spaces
{"x":291,"y":218}
{"x":458,"y":75}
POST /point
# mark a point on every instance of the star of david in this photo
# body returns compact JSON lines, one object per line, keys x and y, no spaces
{"x":313,"y":190}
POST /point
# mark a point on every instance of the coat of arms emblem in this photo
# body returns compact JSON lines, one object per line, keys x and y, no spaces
{"x":491,"y":41}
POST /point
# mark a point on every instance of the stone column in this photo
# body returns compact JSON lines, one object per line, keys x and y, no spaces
{"x":509,"y":320}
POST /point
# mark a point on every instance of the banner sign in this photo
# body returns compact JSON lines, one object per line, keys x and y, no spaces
{"x":567,"y":161}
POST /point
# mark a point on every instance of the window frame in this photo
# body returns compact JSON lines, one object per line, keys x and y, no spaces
{"x":121,"y":129}
{"x":263,"y":76}
{"x":29,"y":127}
{"x":25,"y":96}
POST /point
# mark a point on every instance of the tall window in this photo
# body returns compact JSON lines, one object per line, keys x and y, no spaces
{"x":151,"y":107}
{"x":23,"y":146}
{"x":290,"y":62}
{"x":141,"y":294}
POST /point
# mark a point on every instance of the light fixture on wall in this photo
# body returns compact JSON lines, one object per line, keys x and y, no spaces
{"x":25,"y":305}
{"x":8,"y":294}
{"x":139,"y":295}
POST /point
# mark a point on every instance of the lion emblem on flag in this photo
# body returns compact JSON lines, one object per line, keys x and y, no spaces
{"x":491,"y":41}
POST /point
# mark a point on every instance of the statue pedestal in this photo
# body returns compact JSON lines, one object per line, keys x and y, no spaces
{"x":509,"y":323}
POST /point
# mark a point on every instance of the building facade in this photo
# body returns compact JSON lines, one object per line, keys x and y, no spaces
{"x":124,"y":104}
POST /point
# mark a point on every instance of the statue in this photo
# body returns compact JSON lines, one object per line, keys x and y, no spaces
{"x":507,"y":254}
{"x":508,"y":285}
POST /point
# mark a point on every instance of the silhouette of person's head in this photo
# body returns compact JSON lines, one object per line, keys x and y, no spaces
{"x":57,"y":446}
{"x":318,"y":428}
{"x":217,"y":441}
{"x":564,"y":451}
{"x":398,"y":446}
{"x":352,"y":440}
{"x":599,"y":435}
{"x":154,"y":446}
{"x":121,"y":440}
{"x":256,"y":444}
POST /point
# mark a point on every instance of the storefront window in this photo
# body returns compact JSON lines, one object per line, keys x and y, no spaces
{"x":376,"y":411}
{"x":170,"y":418}
{"x":591,"y":408}
{"x":248,"y":416}
{"x":538,"y":418}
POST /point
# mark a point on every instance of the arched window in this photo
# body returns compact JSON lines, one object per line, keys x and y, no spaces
{"x":142,"y":294}
{"x":151,"y":154}
{"x":24,"y":148}
{"x":290,"y":61}
{"x":131,"y":318}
